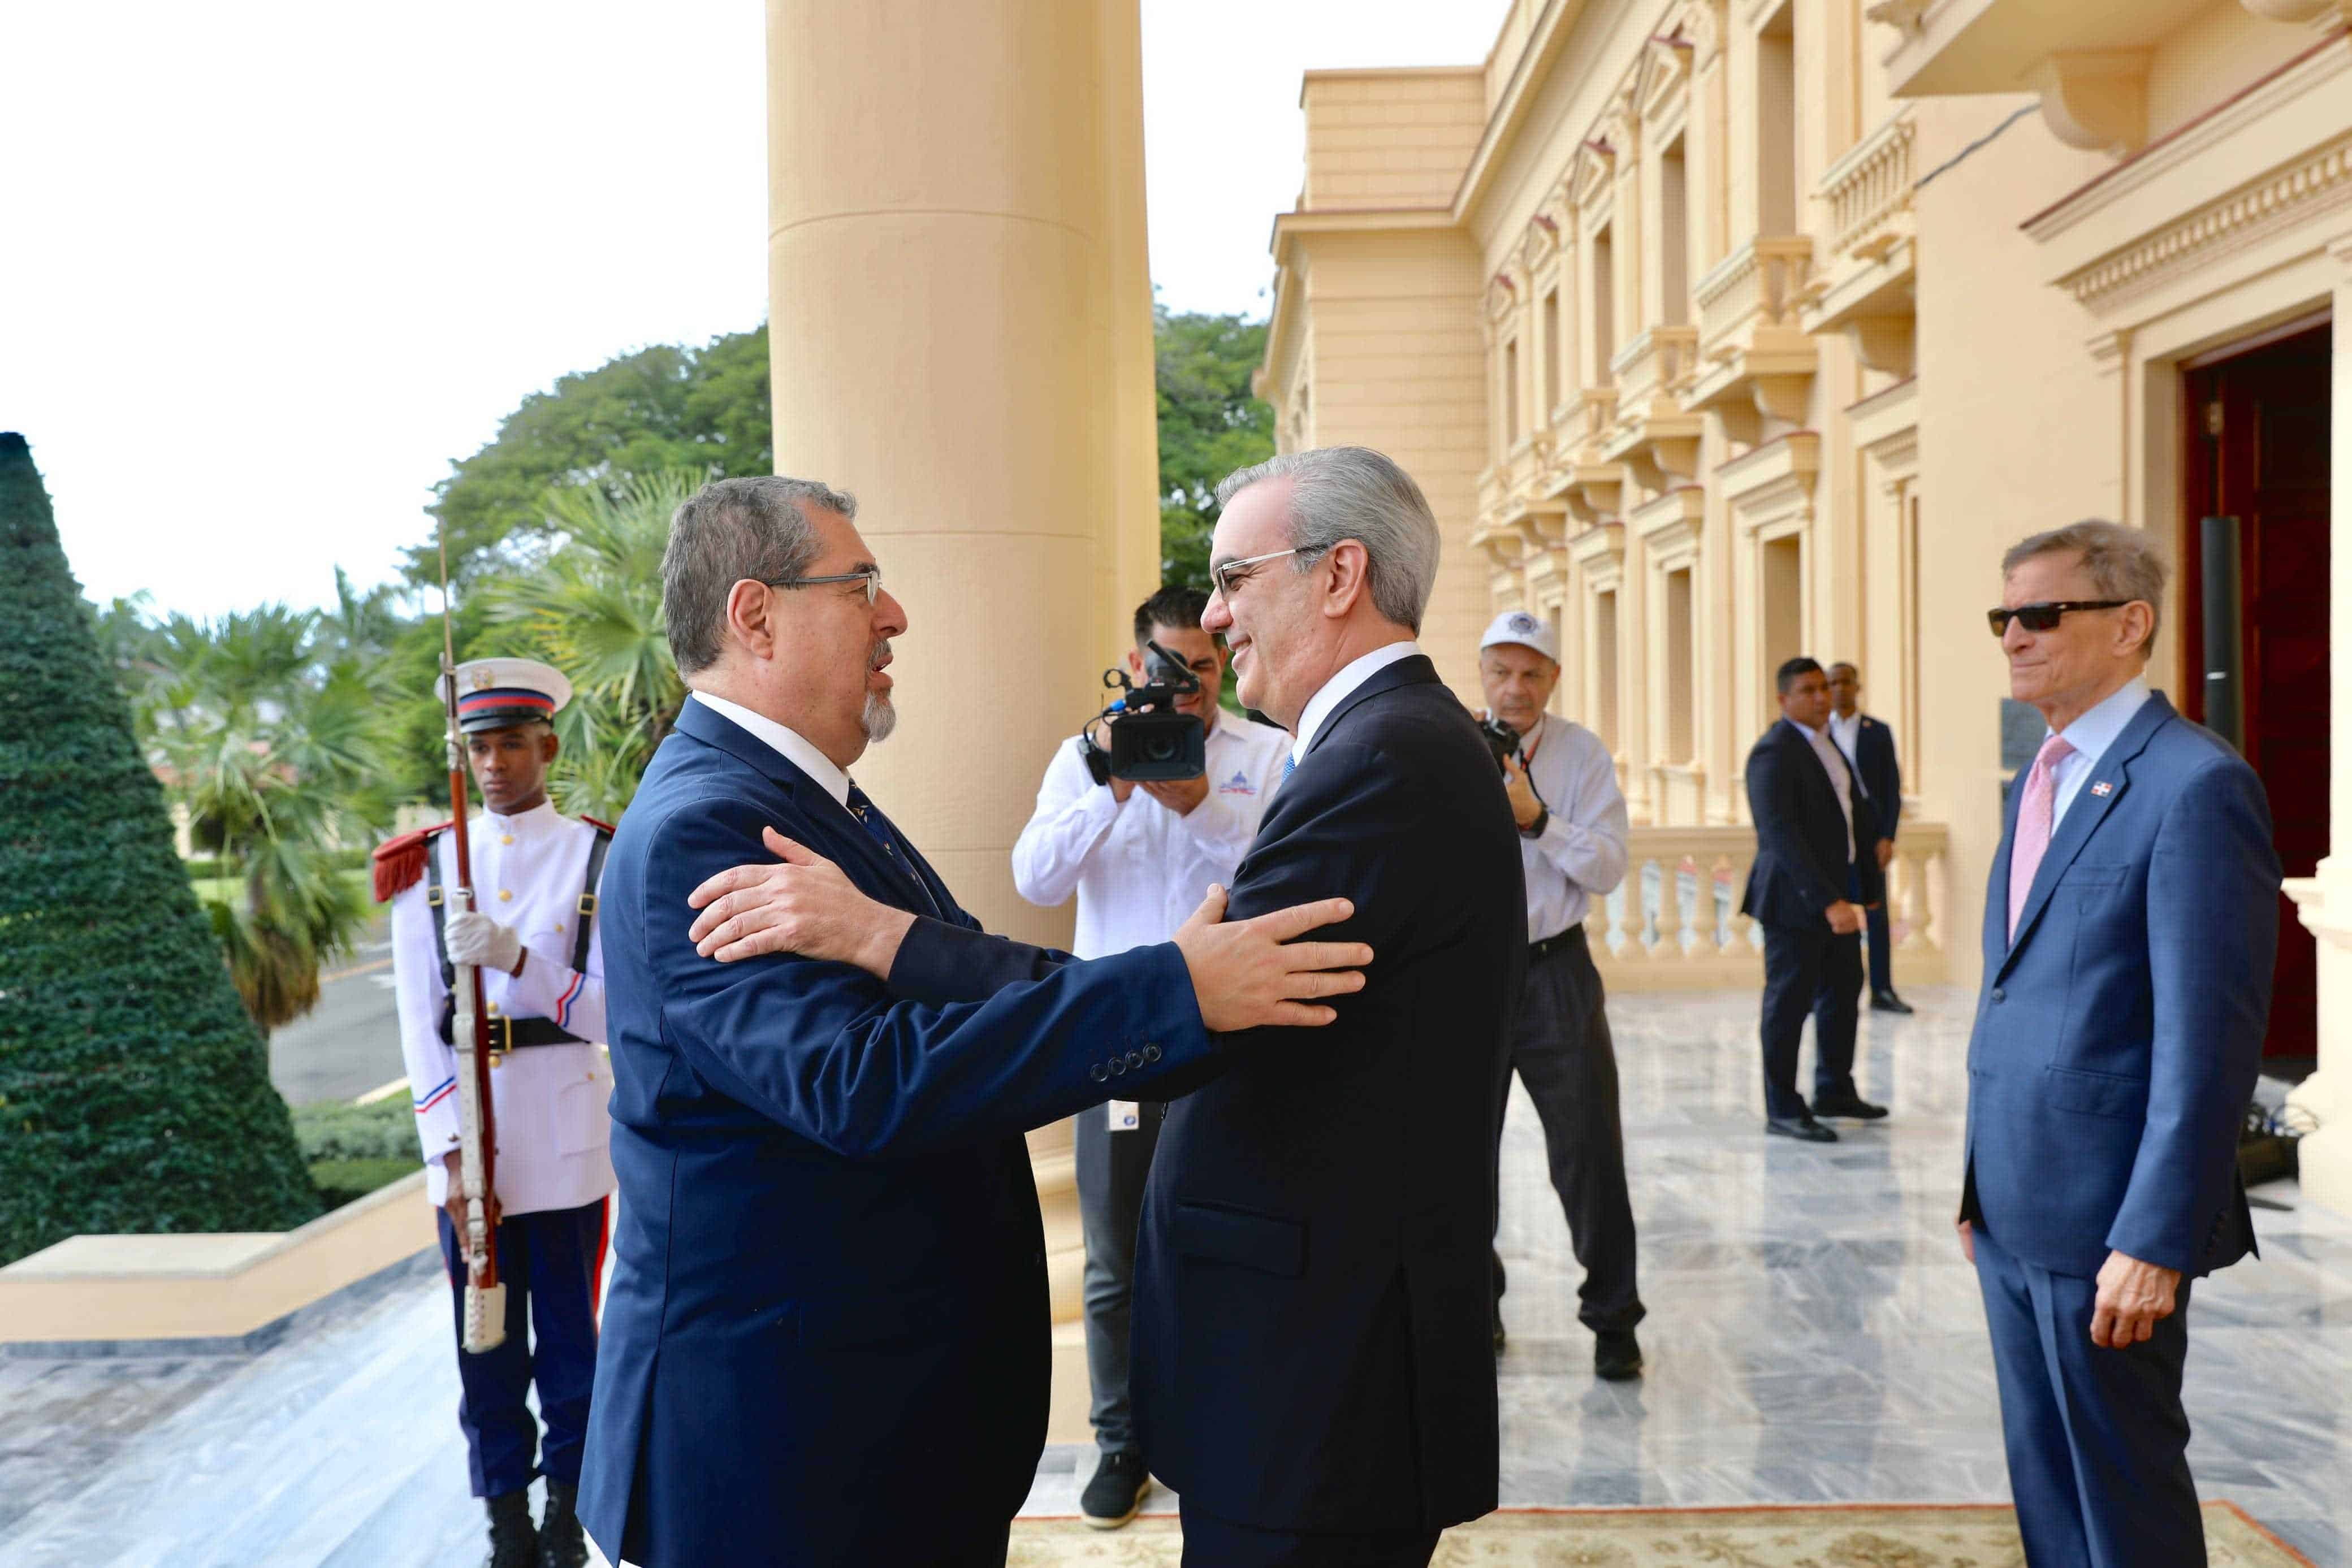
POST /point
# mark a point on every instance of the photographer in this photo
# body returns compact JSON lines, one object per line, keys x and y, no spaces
{"x":1139,"y":856}
{"x":1572,"y":817}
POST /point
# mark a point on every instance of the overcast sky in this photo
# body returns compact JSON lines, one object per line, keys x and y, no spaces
{"x":266,"y":269}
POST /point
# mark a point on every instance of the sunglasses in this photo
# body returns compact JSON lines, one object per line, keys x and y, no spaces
{"x":2045,"y":616}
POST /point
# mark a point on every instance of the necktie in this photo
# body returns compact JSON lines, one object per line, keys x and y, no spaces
{"x":1289,"y":766}
{"x":870,"y":818}
{"x":2033,"y":819}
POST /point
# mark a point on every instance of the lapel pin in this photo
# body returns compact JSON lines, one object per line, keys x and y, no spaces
{"x":2103,"y":788}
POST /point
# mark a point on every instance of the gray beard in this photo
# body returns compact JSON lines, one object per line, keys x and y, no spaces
{"x":878,"y":718}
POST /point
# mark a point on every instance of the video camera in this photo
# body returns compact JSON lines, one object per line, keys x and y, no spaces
{"x":1150,"y":740}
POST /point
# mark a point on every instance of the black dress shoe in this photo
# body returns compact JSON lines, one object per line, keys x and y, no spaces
{"x":1888,"y":1002}
{"x":1112,"y":1498}
{"x":1803,"y":1127}
{"x":1616,"y":1355}
{"x":1855,"y":1109}
{"x":561,"y":1543}
{"x":514,"y":1540}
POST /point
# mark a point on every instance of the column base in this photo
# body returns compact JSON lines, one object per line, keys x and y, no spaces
{"x":2323,"y":1100}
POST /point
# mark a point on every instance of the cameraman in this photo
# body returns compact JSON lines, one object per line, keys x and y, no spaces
{"x":1140,"y":856}
{"x":1563,"y":792}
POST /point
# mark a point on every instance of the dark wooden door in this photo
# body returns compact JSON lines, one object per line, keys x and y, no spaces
{"x":2257,"y":450}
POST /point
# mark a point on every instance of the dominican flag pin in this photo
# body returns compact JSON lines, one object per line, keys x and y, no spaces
{"x":2103,"y":788}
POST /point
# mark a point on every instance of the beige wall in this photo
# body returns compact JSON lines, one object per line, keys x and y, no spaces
{"x":1389,"y":137}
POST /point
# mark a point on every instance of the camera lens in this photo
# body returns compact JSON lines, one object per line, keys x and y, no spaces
{"x":1160,"y":748}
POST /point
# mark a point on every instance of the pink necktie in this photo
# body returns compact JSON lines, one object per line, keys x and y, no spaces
{"x":2033,"y":815}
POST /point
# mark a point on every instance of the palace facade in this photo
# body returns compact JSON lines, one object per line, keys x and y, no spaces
{"x":1722,"y":330}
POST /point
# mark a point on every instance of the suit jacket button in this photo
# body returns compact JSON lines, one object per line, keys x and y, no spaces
{"x":1135,"y":1059}
{"x":1117,"y":1066}
{"x":1150,"y":1053}
{"x":1999,"y":995}
{"x":1098,"y":1072}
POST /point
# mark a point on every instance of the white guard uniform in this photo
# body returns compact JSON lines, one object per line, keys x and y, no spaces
{"x":553,"y":1102}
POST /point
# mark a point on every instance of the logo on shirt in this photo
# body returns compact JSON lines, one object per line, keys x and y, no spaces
{"x":1239,"y":784}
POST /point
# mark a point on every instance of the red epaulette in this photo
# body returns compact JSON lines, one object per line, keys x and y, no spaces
{"x":400,"y":862}
{"x":598,"y":823}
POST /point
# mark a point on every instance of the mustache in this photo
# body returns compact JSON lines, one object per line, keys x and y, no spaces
{"x":877,"y":653}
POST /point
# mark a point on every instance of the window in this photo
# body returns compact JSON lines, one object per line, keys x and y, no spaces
{"x":1548,"y":387}
{"x":1603,"y":704}
{"x":1680,"y":695}
{"x":1776,"y":124}
{"x":1674,"y":236}
{"x":1604,"y":308}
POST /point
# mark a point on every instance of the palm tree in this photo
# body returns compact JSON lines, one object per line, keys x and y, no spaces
{"x":592,"y":609}
{"x":265,"y":725}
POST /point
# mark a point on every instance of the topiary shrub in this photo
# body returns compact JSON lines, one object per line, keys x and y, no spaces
{"x":134,"y":1090}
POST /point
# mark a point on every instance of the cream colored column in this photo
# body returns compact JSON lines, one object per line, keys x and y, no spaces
{"x":959,"y":311}
{"x":2325,"y":900}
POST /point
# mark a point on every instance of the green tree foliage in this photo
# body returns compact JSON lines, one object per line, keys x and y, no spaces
{"x":1210,"y":424}
{"x":593,"y":611}
{"x":134,"y":1090}
{"x":267,"y":726}
{"x":704,"y":410}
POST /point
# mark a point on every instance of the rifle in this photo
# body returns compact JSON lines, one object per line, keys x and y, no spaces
{"x":469,"y":1036}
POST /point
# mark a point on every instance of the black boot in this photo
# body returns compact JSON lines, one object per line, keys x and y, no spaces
{"x":560,"y":1544}
{"x":513,"y":1542}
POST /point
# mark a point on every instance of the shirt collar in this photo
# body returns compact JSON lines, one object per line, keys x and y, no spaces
{"x":788,"y":743}
{"x":539,"y":818}
{"x":1335,"y":690}
{"x":2097,"y":729}
{"x":1815,"y":736}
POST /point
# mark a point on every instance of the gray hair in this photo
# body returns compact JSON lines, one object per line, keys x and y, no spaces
{"x":1355,"y":493}
{"x":728,"y":530}
{"x":2123,"y":563}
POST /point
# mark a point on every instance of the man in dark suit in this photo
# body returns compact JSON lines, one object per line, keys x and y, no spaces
{"x":826,"y":1338}
{"x":1313,"y":1370}
{"x":2131,"y":920}
{"x":1815,"y":868}
{"x":1869,"y":746}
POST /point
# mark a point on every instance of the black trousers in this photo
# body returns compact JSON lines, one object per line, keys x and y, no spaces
{"x":1561,"y":1050}
{"x":1808,"y":968}
{"x":1112,"y":1169}
{"x":1881,"y":949}
{"x":550,"y":1263}
{"x":1214,"y":1543}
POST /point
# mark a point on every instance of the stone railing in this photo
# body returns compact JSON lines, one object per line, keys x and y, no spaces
{"x":1674,"y":920}
{"x":1868,"y":193}
{"x":1754,"y":288}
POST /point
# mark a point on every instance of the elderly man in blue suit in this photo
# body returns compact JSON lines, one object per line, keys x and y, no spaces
{"x":2129,"y":927}
{"x":826,"y":1340}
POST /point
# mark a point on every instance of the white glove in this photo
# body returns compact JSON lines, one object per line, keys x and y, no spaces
{"x":475,"y":938}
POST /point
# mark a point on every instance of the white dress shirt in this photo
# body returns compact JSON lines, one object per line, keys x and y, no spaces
{"x":548,"y":1101}
{"x":789,"y":743}
{"x":2090,"y":736}
{"x":1336,"y":690}
{"x":1841,"y":774}
{"x":1847,"y":733}
{"x":1139,"y":867}
{"x":1581,"y":854}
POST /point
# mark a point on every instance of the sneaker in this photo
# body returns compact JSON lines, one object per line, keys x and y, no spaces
{"x":1112,"y":1498}
{"x":1616,"y":1355}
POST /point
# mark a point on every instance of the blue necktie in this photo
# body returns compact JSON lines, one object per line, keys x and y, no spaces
{"x":1289,"y":766}
{"x":878,"y":826}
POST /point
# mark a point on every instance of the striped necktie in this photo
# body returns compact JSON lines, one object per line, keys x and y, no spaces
{"x":1289,"y":766}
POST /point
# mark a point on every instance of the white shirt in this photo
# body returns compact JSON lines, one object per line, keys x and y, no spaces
{"x":788,"y":742}
{"x":1833,"y":762}
{"x":550,"y":1101}
{"x":1581,"y":854}
{"x":1847,"y":733}
{"x":1337,"y":689}
{"x":2090,"y":736}
{"x":1139,"y":868}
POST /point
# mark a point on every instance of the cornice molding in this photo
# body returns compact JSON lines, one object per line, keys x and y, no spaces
{"x":2309,"y":187}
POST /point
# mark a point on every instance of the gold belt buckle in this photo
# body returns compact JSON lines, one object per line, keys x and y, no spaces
{"x":501,"y":1032}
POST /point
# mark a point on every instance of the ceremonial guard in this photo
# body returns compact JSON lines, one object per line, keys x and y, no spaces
{"x":533,"y":937}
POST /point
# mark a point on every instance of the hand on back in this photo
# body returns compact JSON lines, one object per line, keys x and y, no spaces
{"x":1251,"y":973}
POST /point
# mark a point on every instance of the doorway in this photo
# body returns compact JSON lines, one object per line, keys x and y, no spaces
{"x":2256,"y":449}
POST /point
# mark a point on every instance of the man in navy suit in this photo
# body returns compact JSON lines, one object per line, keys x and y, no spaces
{"x":1816,"y":867}
{"x":2130,"y":923}
{"x":826,"y":1340}
{"x":1869,"y":745}
{"x":1314,"y":1371}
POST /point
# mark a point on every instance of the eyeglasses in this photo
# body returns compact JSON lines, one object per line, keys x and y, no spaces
{"x":871,"y":576}
{"x":2044,"y":617}
{"x":1229,"y":575}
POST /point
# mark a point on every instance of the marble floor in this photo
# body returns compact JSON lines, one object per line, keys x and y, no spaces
{"x":1813,"y":1335}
